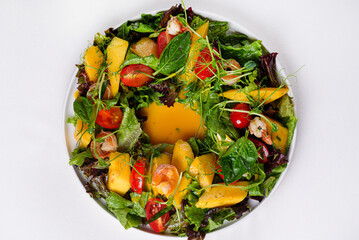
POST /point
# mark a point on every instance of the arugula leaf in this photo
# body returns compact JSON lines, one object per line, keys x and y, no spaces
{"x":79,"y":155}
{"x":132,"y":58}
{"x":194,"y":190}
{"x":83,"y":108}
{"x":175,"y":54}
{"x":243,"y":54}
{"x":129,"y":131}
{"x":195,"y":215}
{"x":238,"y":160}
{"x":125,"y":210}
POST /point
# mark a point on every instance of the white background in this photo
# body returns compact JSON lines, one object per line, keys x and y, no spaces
{"x":41,"y":41}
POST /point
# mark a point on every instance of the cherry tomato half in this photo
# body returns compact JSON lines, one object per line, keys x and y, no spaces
{"x":137,"y":175}
{"x":165,"y":179}
{"x":263,"y":153}
{"x":203,"y":68}
{"x":239,"y":119}
{"x":136,"y":75}
{"x":110,"y":119}
{"x":153,"y":206}
{"x":162,"y":42}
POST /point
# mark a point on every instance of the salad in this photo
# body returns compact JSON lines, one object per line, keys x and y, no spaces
{"x":180,"y":122}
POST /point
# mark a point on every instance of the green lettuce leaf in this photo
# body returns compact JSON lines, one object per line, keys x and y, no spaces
{"x":217,"y":219}
{"x":79,"y":155}
{"x":287,"y":116}
{"x":243,"y":54}
{"x":195,"y":216}
{"x":129,"y":213}
{"x":129,"y":131}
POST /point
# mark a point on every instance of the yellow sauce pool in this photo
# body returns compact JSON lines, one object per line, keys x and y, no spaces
{"x":168,"y":124}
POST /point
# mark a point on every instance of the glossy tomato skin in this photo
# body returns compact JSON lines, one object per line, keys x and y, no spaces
{"x":153,"y":206}
{"x":136,"y":75}
{"x":109,"y":119}
{"x":239,"y":119}
{"x":162,"y":42}
{"x":263,"y":152}
{"x":203,"y":68}
{"x":137,"y":175}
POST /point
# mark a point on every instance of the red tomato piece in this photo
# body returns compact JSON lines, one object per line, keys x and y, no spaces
{"x":110,"y":119}
{"x":154,"y":206}
{"x":137,"y":175}
{"x":162,"y":42}
{"x":263,"y":153}
{"x":203,"y":68}
{"x":240,"y":119}
{"x":136,"y":75}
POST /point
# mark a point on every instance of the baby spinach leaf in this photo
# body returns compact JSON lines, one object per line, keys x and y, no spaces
{"x":129,"y":131}
{"x":83,"y":108}
{"x":243,"y":54}
{"x":238,"y":160}
{"x":174,"y":56}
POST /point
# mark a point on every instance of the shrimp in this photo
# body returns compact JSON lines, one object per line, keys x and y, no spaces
{"x":103,"y":149}
{"x":232,"y":78}
{"x":258,"y":128}
{"x":165,"y":179}
{"x":175,"y":27}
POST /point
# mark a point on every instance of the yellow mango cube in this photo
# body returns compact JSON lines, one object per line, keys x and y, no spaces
{"x":280,"y":137}
{"x":82,"y":136}
{"x":261,"y":94}
{"x":194,"y":52}
{"x":222,"y":196}
{"x":205,"y":167}
{"x":182,"y":190}
{"x":116,"y":53}
{"x":93,"y":62}
{"x":181,"y":152}
{"x":119,"y":173}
